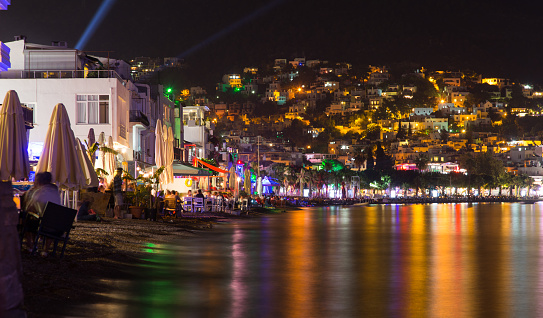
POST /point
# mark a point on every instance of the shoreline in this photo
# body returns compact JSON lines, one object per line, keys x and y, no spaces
{"x":97,"y":253}
{"x":316,"y":202}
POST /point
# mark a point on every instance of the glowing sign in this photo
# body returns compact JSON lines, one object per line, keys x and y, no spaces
{"x":4,"y":56}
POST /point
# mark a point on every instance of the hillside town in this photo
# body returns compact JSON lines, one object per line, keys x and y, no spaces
{"x":392,"y":131}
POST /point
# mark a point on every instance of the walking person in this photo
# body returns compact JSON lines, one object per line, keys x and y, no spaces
{"x":118,"y":193}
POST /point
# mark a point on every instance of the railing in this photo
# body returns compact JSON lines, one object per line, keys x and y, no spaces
{"x":28,"y":114}
{"x":177,"y":153}
{"x":138,"y":155}
{"x":138,"y":116}
{"x":122,"y":131}
{"x":71,"y":74}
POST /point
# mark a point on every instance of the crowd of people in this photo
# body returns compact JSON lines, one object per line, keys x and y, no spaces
{"x":33,"y":203}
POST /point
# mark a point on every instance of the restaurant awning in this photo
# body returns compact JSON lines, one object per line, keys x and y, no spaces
{"x":207,"y":165}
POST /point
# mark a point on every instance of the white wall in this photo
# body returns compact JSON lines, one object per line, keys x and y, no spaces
{"x":46,"y":93}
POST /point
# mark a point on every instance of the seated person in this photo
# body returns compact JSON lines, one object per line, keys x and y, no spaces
{"x":199,"y":194}
{"x":35,"y":201}
{"x":85,"y":213}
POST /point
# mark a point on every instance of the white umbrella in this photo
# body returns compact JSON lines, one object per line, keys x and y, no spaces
{"x":159,"y":147}
{"x":170,"y":156}
{"x":165,"y":154}
{"x":259,"y":186}
{"x":13,"y":141}
{"x":247,"y":181}
{"x":59,"y":155}
{"x":86,"y":165}
{"x":109,"y":161}
{"x":232,"y":177}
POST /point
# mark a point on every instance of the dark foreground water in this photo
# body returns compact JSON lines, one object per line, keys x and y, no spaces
{"x":440,"y":260}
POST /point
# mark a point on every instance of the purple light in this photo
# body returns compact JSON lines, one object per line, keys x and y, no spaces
{"x":4,"y":4}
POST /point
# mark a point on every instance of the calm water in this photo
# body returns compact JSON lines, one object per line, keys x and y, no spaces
{"x":446,"y":260}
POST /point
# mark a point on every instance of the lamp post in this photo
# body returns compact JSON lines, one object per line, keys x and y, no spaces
{"x":258,"y":154}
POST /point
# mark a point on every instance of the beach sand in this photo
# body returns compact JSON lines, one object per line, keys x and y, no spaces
{"x":96,"y":252}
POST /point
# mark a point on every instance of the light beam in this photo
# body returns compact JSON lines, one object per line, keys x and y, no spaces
{"x":95,"y":22}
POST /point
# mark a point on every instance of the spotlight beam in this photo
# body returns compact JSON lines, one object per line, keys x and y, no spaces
{"x":230,"y":28}
{"x":95,"y":22}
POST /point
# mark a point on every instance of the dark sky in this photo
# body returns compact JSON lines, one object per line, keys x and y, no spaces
{"x":498,"y":38}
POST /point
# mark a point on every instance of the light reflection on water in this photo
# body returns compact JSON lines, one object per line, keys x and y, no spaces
{"x":439,"y":260}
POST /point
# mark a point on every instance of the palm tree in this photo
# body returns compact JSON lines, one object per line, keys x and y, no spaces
{"x":91,"y":150}
{"x":303,"y":177}
{"x":359,"y":160}
{"x":311,"y":180}
{"x":526,"y":181}
{"x":421,"y":161}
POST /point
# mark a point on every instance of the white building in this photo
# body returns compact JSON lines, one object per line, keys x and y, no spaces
{"x":44,"y":76}
{"x":196,"y":131}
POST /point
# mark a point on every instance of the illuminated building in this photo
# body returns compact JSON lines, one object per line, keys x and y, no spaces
{"x":4,"y":57}
{"x":105,"y":100}
{"x":4,"y":4}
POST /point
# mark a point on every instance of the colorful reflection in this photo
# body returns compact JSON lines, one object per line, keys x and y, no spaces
{"x":436,"y":260}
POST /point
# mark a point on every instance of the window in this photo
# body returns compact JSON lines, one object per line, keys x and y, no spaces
{"x":33,"y":107}
{"x":92,"y":109}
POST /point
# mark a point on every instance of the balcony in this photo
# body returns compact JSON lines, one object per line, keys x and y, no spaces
{"x":60,"y":74}
{"x":136,"y":116}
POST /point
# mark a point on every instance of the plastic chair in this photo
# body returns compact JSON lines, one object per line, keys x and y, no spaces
{"x":209,"y":201}
{"x":56,"y":223}
{"x":187,"y":204}
{"x":198,"y":204}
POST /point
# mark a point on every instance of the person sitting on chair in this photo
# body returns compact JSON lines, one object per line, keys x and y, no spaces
{"x":35,"y":201}
{"x":199,"y":194}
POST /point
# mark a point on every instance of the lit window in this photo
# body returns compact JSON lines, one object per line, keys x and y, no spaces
{"x":92,"y":109}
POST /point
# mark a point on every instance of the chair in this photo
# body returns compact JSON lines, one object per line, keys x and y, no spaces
{"x":209,"y":204}
{"x":217,"y":203}
{"x":198,"y":204}
{"x":187,"y":204}
{"x":170,"y":206}
{"x":56,"y":223}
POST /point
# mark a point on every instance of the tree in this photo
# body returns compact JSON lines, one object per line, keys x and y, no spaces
{"x":421,"y":161}
{"x":359,"y":160}
{"x":444,"y":135}
{"x":368,"y":154}
{"x":383,"y":162}
{"x":401,"y":132}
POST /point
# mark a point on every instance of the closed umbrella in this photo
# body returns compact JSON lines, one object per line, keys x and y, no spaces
{"x":232,"y":177}
{"x":259,"y":186}
{"x":159,"y":147}
{"x":59,"y":155}
{"x":170,"y":155}
{"x":165,"y":153}
{"x":109,"y":161}
{"x":86,"y":165}
{"x":247,"y":181}
{"x":13,"y":141}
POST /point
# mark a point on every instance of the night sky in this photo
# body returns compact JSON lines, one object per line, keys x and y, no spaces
{"x":498,"y":38}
